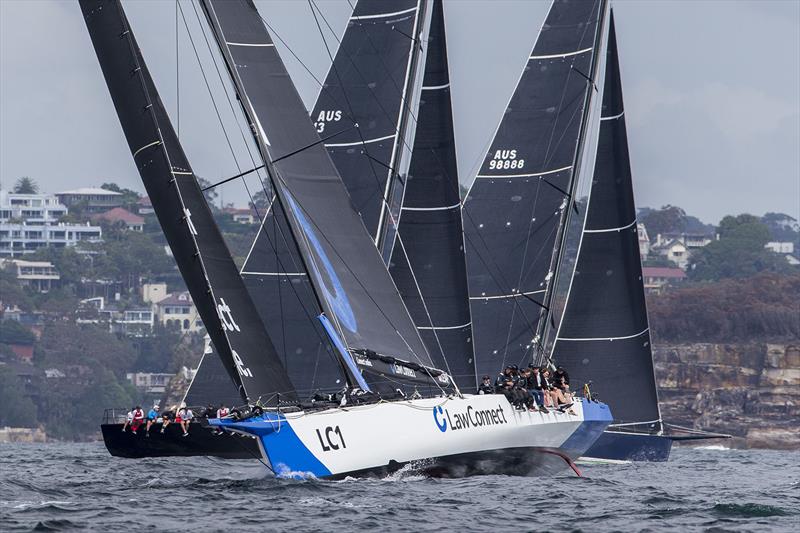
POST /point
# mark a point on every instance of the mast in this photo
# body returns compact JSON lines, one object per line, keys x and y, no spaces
{"x":515,"y":208}
{"x":604,"y":335}
{"x":548,"y":312}
{"x":194,"y":238}
{"x":428,"y":263}
{"x":349,"y":279}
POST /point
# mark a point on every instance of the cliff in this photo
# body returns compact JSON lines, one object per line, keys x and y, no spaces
{"x":749,"y":390}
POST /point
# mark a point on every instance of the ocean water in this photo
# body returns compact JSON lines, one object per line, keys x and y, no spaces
{"x":60,"y":487}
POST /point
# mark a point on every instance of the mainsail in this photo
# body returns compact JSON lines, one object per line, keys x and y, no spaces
{"x":368,"y":95}
{"x":428,"y":263}
{"x":604,"y":335}
{"x":347,"y":274}
{"x":195,"y":240}
{"x":515,"y":211}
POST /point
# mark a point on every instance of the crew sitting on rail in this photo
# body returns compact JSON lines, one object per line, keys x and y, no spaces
{"x":138,"y":419}
{"x":536,"y":384}
{"x":186,"y":416}
{"x":557,"y":397}
{"x":486,"y":386}
{"x":128,"y":419}
{"x":152,"y":415}
{"x":167,"y":417}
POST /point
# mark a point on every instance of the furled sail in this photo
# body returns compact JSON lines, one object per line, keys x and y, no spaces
{"x":196,"y":242}
{"x":428,"y":263}
{"x":515,"y":211}
{"x":350,"y":281}
{"x":373,"y":83}
{"x":604,"y":335}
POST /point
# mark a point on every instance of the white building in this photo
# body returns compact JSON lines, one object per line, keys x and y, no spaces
{"x":149,"y":382}
{"x":91,"y":199}
{"x":780,"y":247}
{"x":39,"y":275}
{"x":644,"y":241}
{"x":33,"y":208}
{"x":31,"y":221}
{"x":178,"y":311}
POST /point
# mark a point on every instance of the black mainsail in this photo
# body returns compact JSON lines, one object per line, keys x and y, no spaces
{"x":515,"y":211}
{"x":368,"y":93}
{"x":211,"y":384}
{"x":194,"y":238}
{"x":428,"y":263}
{"x":363,"y":311}
{"x":604,"y":335}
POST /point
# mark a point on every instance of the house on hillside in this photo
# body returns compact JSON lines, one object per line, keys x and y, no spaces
{"x":178,"y":311}
{"x":241,"y":215}
{"x":118,"y":214}
{"x":144,"y":206}
{"x":91,"y":199}
{"x":644,"y":241}
{"x":41,"y":276}
{"x":657,"y":279}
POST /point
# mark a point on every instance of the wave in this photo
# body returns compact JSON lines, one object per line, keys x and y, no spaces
{"x":748,"y":510}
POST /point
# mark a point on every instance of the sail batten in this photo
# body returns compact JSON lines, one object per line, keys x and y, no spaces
{"x":604,"y":336}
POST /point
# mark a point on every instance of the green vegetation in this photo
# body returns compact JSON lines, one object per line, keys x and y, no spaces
{"x":26,"y":185}
{"x":762,"y":307}
{"x":17,"y":408}
{"x":739,"y":252}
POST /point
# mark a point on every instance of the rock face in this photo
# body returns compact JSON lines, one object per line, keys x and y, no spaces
{"x":751,"y":391}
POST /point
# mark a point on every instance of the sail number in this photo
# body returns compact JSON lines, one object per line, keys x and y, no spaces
{"x":505,"y":159}
{"x":325,"y":117}
{"x":331,"y":438}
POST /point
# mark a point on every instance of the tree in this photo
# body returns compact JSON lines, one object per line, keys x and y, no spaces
{"x":26,"y":185}
{"x":211,"y":194}
{"x":12,"y":332}
{"x":18,"y":410}
{"x":739,"y":252}
{"x":129,"y":197}
{"x":668,"y":219}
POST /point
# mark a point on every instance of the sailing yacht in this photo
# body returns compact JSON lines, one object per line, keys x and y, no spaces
{"x":398,"y":407}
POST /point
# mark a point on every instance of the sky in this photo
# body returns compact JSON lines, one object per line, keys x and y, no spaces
{"x":712,"y":93}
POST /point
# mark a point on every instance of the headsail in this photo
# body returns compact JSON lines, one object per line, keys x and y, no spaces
{"x":428,"y":263}
{"x":604,"y":335}
{"x":348,"y":276}
{"x":196,"y":242}
{"x":373,"y":83}
{"x":515,"y":210}
{"x":211,"y":385}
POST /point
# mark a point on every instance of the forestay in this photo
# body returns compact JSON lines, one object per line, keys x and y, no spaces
{"x":349,"y":279}
{"x":196,"y":243}
{"x":604,"y":335}
{"x":514,"y":212}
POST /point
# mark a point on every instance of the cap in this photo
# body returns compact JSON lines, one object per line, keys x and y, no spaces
{"x":486,"y":377}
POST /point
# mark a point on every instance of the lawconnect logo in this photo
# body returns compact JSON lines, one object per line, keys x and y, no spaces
{"x":471,"y":418}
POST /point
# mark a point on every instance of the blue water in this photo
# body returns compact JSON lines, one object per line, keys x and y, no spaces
{"x":55,"y":487}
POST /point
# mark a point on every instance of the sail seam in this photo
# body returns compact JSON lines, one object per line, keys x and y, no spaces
{"x":245,"y":272}
{"x":609,"y":230}
{"x":545,"y":173}
{"x":249,"y":44}
{"x":357,"y":143}
{"x":435,"y":87}
{"x":445,"y":327}
{"x":613,"y":117}
{"x":604,"y":338}
{"x":443,"y":208}
{"x":554,"y":56}
{"x":154,"y":143}
{"x":504,"y":296}
{"x":382,"y":15}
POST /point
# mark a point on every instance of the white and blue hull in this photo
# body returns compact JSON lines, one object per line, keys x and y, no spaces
{"x":448,"y":436}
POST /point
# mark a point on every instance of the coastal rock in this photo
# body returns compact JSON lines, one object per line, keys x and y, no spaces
{"x":751,"y":391}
